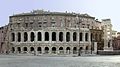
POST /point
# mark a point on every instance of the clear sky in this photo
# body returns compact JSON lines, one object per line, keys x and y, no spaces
{"x":101,"y":9}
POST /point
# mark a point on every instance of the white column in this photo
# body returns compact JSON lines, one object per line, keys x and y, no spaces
{"x":16,"y":37}
{"x":89,"y":36}
{"x":50,"y":36}
{"x":71,"y":36}
{"x":29,"y":37}
{"x":28,"y":50}
{"x":50,"y":50}
{"x":21,"y":49}
{"x":78,"y":35}
{"x":35,"y":33}
{"x":15,"y":49}
{"x":42,"y":48}
{"x":22,"y":37}
{"x":64,"y":36}
{"x":43,"y":36}
{"x":57,"y":36}
{"x":95,"y":47}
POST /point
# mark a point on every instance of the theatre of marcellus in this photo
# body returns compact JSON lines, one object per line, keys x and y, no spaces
{"x":42,"y":32}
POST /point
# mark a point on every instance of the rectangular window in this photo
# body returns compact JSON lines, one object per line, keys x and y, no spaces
{"x":18,"y":24}
{"x":26,"y":24}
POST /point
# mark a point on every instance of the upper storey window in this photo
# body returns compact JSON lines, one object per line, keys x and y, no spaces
{"x":44,"y":23}
{"x":18,"y":24}
{"x":53,"y":24}
{"x":26,"y":24}
{"x":45,"y":19}
{"x":53,"y":19}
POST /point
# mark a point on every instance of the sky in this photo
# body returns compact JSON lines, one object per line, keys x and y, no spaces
{"x":100,"y":9}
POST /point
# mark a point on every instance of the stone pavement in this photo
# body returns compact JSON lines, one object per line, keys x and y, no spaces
{"x":40,"y":61}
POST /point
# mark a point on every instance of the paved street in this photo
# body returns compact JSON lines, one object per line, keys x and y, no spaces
{"x":38,"y":61}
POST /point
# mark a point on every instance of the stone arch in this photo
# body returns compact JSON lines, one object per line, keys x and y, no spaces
{"x":32,"y":36}
{"x":25,"y":36}
{"x":19,"y":36}
{"x":61,"y":36}
{"x":24,"y":48}
{"x":81,"y":48}
{"x":86,"y":36}
{"x":54,"y":50}
{"x":19,"y":49}
{"x":13,"y":36}
{"x":74,"y":50}
{"x":68,"y":50}
{"x":39,"y":49}
{"x":32,"y":49}
{"x":74,"y":36}
{"x":61,"y":50}
{"x":80,"y":37}
{"x":86,"y":48}
{"x":39,"y":38}
{"x":46,"y":36}
{"x":53,"y":36}
{"x":46,"y":50}
{"x":67,"y":36}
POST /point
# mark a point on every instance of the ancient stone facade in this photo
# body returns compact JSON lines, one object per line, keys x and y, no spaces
{"x":97,"y":36}
{"x":4,"y":39}
{"x":107,"y":28}
{"x":56,"y":33}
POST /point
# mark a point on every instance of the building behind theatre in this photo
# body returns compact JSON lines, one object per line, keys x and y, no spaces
{"x":55,"y":33}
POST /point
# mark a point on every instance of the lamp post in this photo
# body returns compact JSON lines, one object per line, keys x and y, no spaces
{"x":78,"y":22}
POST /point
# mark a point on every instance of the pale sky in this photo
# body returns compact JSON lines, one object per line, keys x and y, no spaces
{"x":101,"y":9}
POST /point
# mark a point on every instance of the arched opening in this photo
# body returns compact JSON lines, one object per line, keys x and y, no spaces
{"x":19,"y":49}
{"x":39,"y":50}
{"x":46,"y":36}
{"x":75,"y":50}
{"x":39,"y":36}
{"x":25,"y":49}
{"x":32,"y":36}
{"x":80,"y":37}
{"x":19,"y":36}
{"x":61,"y":36}
{"x":74,"y":36}
{"x":46,"y":50}
{"x":53,"y":36}
{"x":13,"y":36}
{"x":68,"y":50}
{"x":91,"y":36}
{"x":61,"y":51}
{"x":80,"y":48}
{"x":25,"y":36}
{"x":31,"y":49}
{"x":54,"y":50}
{"x":86,"y":47}
{"x":86,"y":36}
{"x":67,"y":36}
{"x":13,"y":49}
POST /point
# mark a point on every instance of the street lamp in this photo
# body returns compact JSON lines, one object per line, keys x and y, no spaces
{"x":78,"y":22}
